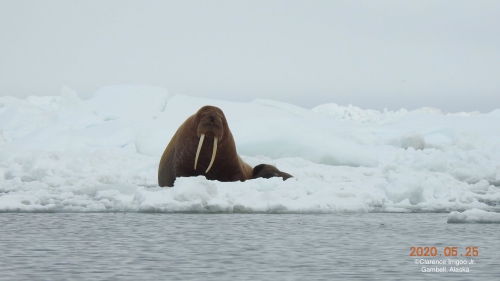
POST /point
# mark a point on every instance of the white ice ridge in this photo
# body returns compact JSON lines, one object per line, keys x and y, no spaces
{"x":474,"y":216}
{"x":353,"y":113}
{"x":64,"y":154}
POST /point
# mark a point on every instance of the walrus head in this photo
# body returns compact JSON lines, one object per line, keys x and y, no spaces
{"x":210,"y":125}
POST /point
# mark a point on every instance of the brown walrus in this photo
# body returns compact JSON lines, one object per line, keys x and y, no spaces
{"x":268,"y":171}
{"x":204,"y":145}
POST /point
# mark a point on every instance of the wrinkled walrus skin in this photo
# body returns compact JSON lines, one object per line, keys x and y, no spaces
{"x":200,"y":132}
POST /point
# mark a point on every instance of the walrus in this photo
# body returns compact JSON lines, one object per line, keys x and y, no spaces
{"x":204,"y":145}
{"x":268,"y":171}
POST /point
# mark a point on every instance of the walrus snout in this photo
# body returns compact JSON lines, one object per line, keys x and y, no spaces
{"x":212,"y":119}
{"x":210,"y":130}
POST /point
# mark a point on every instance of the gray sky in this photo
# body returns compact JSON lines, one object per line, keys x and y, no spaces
{"x":372,"y":54}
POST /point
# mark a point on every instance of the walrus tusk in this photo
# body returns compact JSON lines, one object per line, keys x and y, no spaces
{"x":213,"y":155}
{"x":198,"y":151}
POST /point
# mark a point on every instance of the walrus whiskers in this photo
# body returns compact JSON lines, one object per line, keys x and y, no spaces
{"x":198,"y":151}
{"x":213,"y":155}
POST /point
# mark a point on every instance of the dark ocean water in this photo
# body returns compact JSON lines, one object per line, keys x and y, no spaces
{"x":138,"y":246}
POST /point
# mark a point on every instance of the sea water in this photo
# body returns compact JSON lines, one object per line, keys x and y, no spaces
{"x":180,"y":246}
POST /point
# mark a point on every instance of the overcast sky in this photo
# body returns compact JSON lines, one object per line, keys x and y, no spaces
{"x":372,"y":54}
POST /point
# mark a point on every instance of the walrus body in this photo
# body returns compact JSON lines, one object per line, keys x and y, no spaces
{"x":204,"y":145}
{"x":200,"y":132}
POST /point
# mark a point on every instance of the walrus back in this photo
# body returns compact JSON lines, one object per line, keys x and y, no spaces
{"x":246,"y":169}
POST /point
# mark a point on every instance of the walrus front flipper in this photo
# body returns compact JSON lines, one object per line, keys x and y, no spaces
{"x":269,"y":171}
{"x":166,"y":172}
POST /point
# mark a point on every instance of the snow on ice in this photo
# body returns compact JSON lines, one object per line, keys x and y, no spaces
{"x":64,"y":154}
